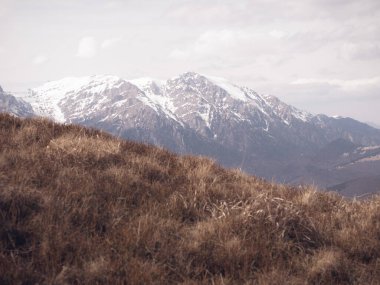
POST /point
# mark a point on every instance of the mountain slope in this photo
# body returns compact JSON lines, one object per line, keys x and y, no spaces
{"x":14,"y":105}
{"x":198,"y":114}
{"x":352,"y":187}
{"x":109,"y":103}
{"x":210,"y":107}
{"x":78,"y":206}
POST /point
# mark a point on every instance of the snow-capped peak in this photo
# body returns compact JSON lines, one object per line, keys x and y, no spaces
{"x":145,"y":83}
{"x":195,"y":79}
{"x":45,"y":99}
{"x":180,"y":98}
{"x":233,"y":90}
{"x":190,"y":75}
{"x":155,"y":97}
{"x":95,"y":84}
{"x":284,"y":111}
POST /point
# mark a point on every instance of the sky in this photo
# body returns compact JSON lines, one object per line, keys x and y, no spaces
{"x":322,"y":56}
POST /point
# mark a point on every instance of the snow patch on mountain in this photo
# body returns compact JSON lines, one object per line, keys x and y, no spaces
{"x":233,"y":90}
{"x":286,"y":112}
{"x":14,"y":105}
{"x":156,"y":98}
{"x":46,"y":99}
{"x":145,"y":82}
{"x":370,"y":158}
{"x":368,"y":148}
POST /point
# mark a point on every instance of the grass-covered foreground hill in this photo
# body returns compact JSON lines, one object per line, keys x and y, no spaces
{"x":78,"y":206}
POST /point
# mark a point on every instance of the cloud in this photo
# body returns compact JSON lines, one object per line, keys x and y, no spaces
{"x":210,"y":41}
{"x":343,"y":84}
{"x":40,"y":59}
{"x":110,"y":42}
{"x":360,"y":51}
{"x":278,"y":34}
{"x":201,"y":12}
{"x":5,"y":7}
{"x":87,"y":48}
{"x":178,"y":54}
{"x":234,"y":48}
{"x":215,"y":43}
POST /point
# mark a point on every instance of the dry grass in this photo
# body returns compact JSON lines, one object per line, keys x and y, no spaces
{"x":78,"y":206}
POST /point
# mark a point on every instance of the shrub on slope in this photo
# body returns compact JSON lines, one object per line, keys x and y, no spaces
{"x":78,"y":206}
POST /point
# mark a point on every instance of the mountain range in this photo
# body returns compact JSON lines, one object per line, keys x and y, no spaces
{"x":203,"y":115}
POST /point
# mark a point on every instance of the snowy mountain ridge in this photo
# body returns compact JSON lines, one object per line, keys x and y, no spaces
{"x":14,"y":105}
{"x":46,"y":99}
{"x":159,"y":95}
{"x":203,"y":115}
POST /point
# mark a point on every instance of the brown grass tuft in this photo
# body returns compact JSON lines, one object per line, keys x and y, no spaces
{"x":330,"y":267}
{"x":85,"y":146}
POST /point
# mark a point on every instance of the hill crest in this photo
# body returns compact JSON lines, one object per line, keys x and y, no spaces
{"x":80,"y":206}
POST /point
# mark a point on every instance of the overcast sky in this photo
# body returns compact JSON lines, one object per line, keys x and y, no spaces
{"x":322,"y":56}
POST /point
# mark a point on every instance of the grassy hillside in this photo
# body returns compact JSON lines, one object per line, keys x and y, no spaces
{"x":78,"y":206}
